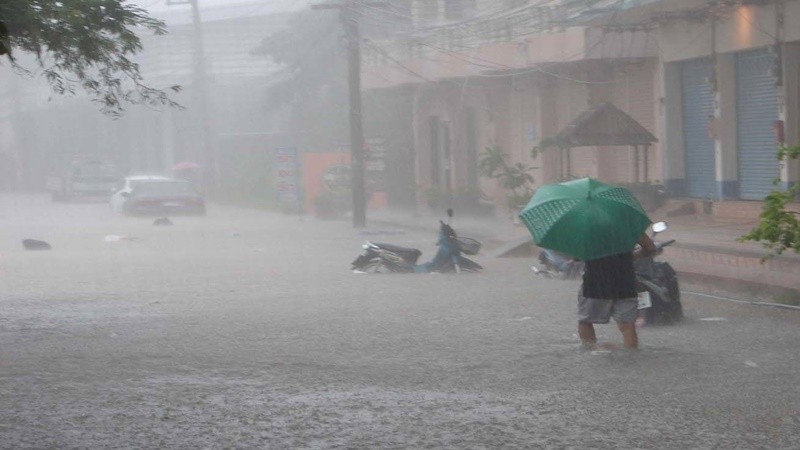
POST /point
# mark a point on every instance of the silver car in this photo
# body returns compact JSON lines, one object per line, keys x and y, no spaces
{"x":157,"y":195}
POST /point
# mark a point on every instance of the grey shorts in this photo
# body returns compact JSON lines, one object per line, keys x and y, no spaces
{"x":598,"y":310}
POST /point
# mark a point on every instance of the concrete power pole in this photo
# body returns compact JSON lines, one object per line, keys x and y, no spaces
{"x":206,"y":156}
{"x":349,"y":16}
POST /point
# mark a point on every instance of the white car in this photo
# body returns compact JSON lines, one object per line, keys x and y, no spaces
{"x":156,"y":194}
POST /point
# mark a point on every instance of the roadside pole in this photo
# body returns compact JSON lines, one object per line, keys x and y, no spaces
{"x":206,"y":155}
{"x":348,"y":11}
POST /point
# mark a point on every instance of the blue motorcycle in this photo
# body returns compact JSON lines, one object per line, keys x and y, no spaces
{"x":380,"y":257}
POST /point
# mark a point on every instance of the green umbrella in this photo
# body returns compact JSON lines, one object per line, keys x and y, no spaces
{"x":585,"y":218}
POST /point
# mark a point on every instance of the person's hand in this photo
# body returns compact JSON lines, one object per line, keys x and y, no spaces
{"x":646,"y":247}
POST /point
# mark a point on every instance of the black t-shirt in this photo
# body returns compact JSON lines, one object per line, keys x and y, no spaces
{"x":610,"y":277}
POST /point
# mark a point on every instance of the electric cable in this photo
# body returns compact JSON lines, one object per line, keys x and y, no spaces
{"x":746,"y":302}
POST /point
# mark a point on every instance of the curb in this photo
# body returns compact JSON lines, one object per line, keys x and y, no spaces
{"x":710,"y":284}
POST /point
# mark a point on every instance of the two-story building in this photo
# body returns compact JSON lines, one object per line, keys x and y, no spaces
{"x":715,"y":82}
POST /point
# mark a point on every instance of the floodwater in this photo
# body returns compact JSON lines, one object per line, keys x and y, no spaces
{"x":244,"y":329}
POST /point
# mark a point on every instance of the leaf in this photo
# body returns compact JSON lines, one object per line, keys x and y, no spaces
{"x":85,"y":44}
{"x":779,"y":228}
{"x":516,"y":178}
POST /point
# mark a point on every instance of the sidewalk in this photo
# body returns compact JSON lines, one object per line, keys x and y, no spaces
{"x":706,"y":248}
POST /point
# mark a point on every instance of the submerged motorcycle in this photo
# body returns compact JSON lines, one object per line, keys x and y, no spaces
{"x":657,"y":282}
{"x":378,"y":257}
{"x":659,"y":291}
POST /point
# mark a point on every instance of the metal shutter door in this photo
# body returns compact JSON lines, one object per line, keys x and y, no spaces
{"x":698,"y":105}
{"x":756,"y":112}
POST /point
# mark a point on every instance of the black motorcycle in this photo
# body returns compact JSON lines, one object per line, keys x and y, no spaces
{"x":379,"y":257}
{"x":657,"y":282}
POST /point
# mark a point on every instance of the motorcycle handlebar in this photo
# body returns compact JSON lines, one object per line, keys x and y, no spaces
{"x":660,"y":246}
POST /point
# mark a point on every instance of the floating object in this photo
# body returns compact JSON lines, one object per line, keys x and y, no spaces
{"x":714,"y":319}
{"x":750,"y":363}
{"x":117,"y":238}
{"x":521,"y":319}
{"x":34,"y":244}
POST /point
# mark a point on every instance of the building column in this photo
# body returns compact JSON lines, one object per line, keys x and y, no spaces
{"x":724,"y":128}
{"x":790,"y":110}
{"x":672,"y":131}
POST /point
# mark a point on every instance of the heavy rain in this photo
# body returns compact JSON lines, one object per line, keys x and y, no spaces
{"x":399,"y":224}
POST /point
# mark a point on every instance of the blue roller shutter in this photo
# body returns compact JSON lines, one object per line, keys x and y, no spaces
{"x":698,"y":105}
{"x":756,"y":112}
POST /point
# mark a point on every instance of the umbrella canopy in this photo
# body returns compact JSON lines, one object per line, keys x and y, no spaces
{"x":185,"y":166}
{"x":585,"y":218}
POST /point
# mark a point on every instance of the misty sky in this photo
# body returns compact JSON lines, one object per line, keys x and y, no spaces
{"x":161,"y":9}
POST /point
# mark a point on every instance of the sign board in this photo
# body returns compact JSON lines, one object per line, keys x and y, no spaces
{"x":287,"y":181}
{"x":375,"y":164}
{"x":337,"y":179}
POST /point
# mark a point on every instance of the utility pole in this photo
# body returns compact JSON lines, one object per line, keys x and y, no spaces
{"x":348,"y":11}
{"x":206,"y":156}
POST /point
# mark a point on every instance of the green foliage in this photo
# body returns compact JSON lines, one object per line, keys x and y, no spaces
{"x":778,"y":228}
{"x":786,"y":153}
{"x":86,"y":44}
{"x":515,"y":178}
{"x":309,"y":49}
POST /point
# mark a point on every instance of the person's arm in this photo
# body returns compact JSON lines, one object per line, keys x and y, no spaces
{"x":646,"y":247}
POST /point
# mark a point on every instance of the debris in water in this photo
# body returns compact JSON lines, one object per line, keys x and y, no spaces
{"x":750,"y":363}
{"x":520,"y":319}
{"x":117,"y":238}
{"x":714,"y":319}
{"x":33,"y":244}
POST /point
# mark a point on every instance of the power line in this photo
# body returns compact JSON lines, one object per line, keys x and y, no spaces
{"x":407,"y":69}
{"x":471,"y":25}
{"x":516,"y":71}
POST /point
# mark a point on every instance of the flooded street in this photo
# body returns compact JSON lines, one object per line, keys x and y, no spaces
{"x":245,"y":329}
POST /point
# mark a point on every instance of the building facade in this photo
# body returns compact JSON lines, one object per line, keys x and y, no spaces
{"x":717,"y":84}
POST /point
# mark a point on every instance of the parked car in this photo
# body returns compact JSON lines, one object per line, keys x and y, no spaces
{"x":82,"y":178}
{"x":156,"y":195}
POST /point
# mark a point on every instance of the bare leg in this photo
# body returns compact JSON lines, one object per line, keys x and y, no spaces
{"x":629,"y":337}
{"x":586,"y":333}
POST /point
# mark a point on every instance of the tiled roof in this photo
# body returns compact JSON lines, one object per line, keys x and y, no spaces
{"x":604,"y":124}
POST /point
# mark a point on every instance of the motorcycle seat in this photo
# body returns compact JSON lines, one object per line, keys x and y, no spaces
{"x":409,"y":254}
